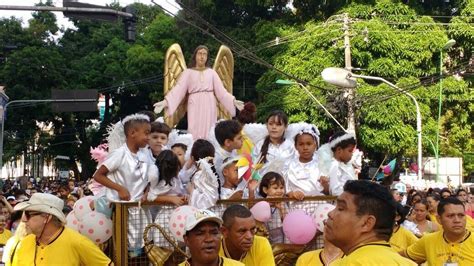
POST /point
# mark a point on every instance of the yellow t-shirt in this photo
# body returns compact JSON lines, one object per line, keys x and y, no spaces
{"x":259,"y":254}
{"x":69,"y":248}
{"x":402,"y":239}
{"x":374,"y":254}
{"x":434,"y":220}
{"x":469,"y":223}
{"x":222,"y":262}
{"x":4,"y":236}
{"x":435,"y":250}
{"x":313,"y":258}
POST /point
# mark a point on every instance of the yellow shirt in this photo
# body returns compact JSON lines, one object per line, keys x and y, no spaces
{"x":435,"y":250}
{"x":259,"y":254}
{"x":69,"y":248}
{"x":4,"y":236}
{"x":469,"y":223}
{"x":402,"y":239}
{"x":222,"y":262}
{"x":313,"y":258}
{"x":374,"y":254}
{"x":434,"y":220}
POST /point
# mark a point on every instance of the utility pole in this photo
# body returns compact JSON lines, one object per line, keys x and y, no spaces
{"x":349,"y":92}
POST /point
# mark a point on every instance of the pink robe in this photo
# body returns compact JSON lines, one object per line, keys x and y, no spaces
{"x":202,"y":87}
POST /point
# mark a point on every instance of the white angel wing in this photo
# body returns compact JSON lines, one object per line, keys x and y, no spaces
{"x":255,"y":131}
{"x":211,"y":137}
{"x":205,"y":193}
{"x":115,"y":136}
{"x":325,"y":158}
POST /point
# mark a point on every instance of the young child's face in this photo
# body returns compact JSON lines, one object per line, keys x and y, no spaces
{"x":344,"y":155}
{"x":275,"y":128}
{"x":180,"y":153}
{"x":236,"y":142}
{"x":157,"y":141}
{"x":140,"y":134}
{"x":274,"y":190}
{"x":231,"y":174}
{"x":306,"y":145}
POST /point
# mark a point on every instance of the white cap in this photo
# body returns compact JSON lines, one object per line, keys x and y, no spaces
{"x":200,"y":216}
{"x":227,"y":161}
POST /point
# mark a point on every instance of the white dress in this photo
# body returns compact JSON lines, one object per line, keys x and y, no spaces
{"x":205,"y":193}
{"x":303,"y":177}
{"x":276,"y":157}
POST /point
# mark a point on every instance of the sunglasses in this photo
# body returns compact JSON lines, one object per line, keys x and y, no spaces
{"x":29,"y":214}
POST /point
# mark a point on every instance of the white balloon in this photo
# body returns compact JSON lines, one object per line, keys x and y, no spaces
{"x":96,"y":226}
{"x":178,"y":220}
{"x":321,"y":214}
{"x":71,"y":221}
{"x":83,"y":206}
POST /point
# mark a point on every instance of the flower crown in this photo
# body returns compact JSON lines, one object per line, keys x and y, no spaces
{"x":333,"y":143}
{"x":312,"y":130}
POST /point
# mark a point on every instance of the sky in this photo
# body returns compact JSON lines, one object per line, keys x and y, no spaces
{"x":62,"y":21}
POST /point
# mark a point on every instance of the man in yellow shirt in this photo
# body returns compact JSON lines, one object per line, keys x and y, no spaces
{"x":202,"y":238}
{"x":454,"y":245}
{"x":239,"y":241}
{"x":361,"y":225}
{"x":50,"y":242}
{"x":5,"y":234}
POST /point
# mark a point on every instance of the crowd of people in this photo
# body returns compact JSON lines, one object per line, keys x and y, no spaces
{"x":386,"y":225}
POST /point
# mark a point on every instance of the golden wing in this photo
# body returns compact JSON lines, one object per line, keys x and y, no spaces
{"x":174,"y":66}
{"x":224,"y":66}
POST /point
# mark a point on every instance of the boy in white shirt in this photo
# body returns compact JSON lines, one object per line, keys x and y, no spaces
{"x":125,"y":175}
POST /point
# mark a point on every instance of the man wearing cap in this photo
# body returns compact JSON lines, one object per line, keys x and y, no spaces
{"x":240,"y":242}
{"x":51,"y":243}
{"x":202,"y":237}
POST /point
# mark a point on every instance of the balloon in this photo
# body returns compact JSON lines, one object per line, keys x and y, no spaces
{"x":96,"y":226}
{"x":178,"y":219}
{"x":103,"y":206}
{"x":299,"y":227}
{"x":261,"y":211}
{"x":71,"y":221}
{"x":321,"y":214}
{"x":83,"y":206}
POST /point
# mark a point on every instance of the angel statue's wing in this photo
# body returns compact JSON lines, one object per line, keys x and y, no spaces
{"x":224,"y":66}
{"x":174,"y":66}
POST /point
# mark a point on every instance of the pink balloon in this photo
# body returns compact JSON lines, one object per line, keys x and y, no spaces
{"x":96,"y":226}
{"x":261,"y":211}
{"x":321,"y":214}
{"x":83,"y":206}
{"x":178,"y":220}
{"x":299,"y":227}
{"x":71,"y":221}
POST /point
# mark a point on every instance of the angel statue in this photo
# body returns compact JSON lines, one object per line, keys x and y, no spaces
{"x":205,"y":93}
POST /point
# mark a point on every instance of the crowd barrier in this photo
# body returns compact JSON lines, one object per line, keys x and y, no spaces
{"x":121,"y":244}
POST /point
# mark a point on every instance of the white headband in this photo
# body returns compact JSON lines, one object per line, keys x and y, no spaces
{"x":339,"y":139}
{"x":312,"y":130}
{"x":135,"y":117}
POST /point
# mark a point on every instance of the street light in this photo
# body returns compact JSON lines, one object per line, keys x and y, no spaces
{"x":289,"y":82}
{"x":344,"y":78}
{"x":446,"y":47}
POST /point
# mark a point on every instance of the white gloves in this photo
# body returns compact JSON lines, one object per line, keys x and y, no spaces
{"x":159,"y":106}
{"x":239,"y":104}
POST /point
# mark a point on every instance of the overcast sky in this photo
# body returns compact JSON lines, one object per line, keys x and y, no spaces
{"x":62,"y":21}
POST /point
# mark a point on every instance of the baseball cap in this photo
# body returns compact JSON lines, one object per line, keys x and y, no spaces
{"x":200,"y":216}
{"x":229,"y":160}
{"x":46,"y":203}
